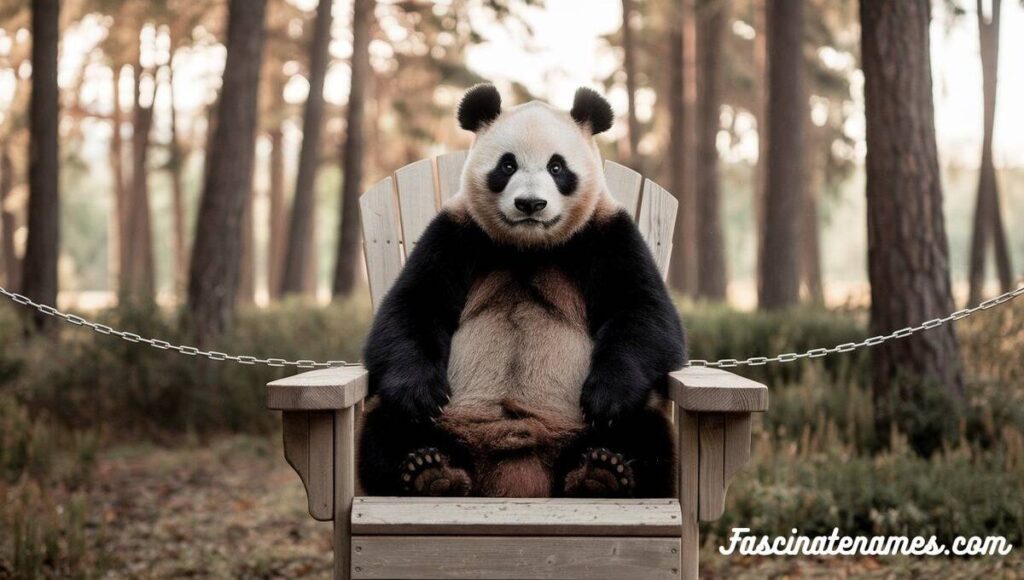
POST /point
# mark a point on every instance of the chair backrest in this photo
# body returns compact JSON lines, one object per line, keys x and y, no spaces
{"x":397,"y":209}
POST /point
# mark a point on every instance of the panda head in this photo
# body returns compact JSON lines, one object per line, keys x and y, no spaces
{"x":534,"y":175}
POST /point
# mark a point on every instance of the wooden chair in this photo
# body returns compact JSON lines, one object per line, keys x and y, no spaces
{"x":399,"y":537}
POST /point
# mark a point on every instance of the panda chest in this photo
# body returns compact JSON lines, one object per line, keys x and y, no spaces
{"x":524,"y":337}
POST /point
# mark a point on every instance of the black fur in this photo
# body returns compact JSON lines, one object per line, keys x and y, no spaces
{"x":480,"y":105}
{"x":565,"y":179}
{"x":590,"y":109}
{"x":498,"y":178}
{"x":638,"y":340}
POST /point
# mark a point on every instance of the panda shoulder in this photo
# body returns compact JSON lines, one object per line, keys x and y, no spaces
{"x":453,"y":223}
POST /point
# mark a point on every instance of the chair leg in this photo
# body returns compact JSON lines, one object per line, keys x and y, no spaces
{"x":344,"y":489}
{"x":688,"y":450}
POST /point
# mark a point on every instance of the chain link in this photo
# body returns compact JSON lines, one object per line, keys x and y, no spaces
{"x":164,"y":345}
{"x":754,"y":361}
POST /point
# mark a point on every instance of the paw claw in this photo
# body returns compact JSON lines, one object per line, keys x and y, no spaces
{"x":429,"y":474}
{"x":602,"y":473}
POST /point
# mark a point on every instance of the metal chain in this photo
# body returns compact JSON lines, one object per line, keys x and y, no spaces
{"x":309,"y":364}
{"x":164,"y":345}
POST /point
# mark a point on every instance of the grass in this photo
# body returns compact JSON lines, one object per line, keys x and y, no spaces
{"x":73,"y":399}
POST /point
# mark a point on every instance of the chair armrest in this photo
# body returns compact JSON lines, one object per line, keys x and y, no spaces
{"x":701,"y":389}
{"x":323,"y":389}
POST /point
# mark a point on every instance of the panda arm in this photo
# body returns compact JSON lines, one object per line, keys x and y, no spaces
{"x":407,"y":348}
{"x":638,"y":337}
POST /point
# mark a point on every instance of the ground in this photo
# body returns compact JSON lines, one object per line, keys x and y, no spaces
{"x":234,"y":509}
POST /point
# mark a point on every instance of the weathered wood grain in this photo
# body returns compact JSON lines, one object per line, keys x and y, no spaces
{"x":711,"y":494}
{"x":624,"y":185}
{"x":382,"y":238}
{"x":309,"y":449}
{"x":708,"y":389}
{"x":657,"y":221}
{"x":512,"y":517}
{"x":417,"y":200}
{"x":449,"y":173}
{"x":332,"y":388}
{"x":344,"y":488}
{"x":515,"y":557}
{"x":688,"y":449}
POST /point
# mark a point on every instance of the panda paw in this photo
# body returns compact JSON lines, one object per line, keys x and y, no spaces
{"x":426,"y":472}
{"x":602,"y":473}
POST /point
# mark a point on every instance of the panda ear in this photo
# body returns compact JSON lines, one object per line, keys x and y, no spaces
{"x":589,"y":109}
{"x":480,"y":105}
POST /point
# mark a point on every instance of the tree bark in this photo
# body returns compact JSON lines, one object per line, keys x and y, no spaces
{"x":138,"y":274}
{"x":908,"y":252}
{"x":176,"y":166}
{"x":810,"y":248}
{"x":760,"y":57}
{"x":345,"y":271}
{"x":118,"y":241}
{"x":629,"y":64}
{"x":214,"y":270}
{"x":784,"y":195}
{"x":8,"y":223}
{"x":988,"y":220}
{"x":39,"y":274}
{"x":712,"y":19}
{"x":246,"y":263}
{"x":298,"y":261}
{"x":682,"y":98}
{"x":277,"y":217}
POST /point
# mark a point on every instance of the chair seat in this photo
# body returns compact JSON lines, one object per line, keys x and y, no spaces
{"x":515,"y":517}
{"x":515,"y":538}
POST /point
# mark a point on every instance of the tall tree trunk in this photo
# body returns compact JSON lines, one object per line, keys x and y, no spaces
{"x":908,"y":252}
{"x":810,"y":247}
{"x":176,"y":166}
{"x":713,"y":15}
{"x":214,"y":269}
{"x":277,"y":217}
{"x":988,"y":220}
{"x":784,"y":196}
{"x":345,"y":271}
{"x":298,"y":262}
{"x":247,"y":263}
{"x":118,"y":241}
{"x":629,"y":64}
{"x":682,"y":99}
{"x":39,"y":274}
{"x":8,"y":223}
{"x":760,"y":55}
{"x":138,"y":275}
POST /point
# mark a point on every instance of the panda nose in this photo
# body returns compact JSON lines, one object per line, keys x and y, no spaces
{"x":530,"y":205}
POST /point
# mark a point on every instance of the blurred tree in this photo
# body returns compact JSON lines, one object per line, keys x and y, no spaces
{"x":9,"y":266}
{"x":682,"y":138}
{"x":988,"y":218}
{"x":629,"y":63}
{"x":39,"y":273}
{"x":908,"y":252}
{"x":298,"y":253}
{"x":712,"y":21}
{"x":138,"y":275}
{"x":214,"y":271}
{"x":277,"y":215}
{"x":352,"y":156}
{"x":784,"y":193}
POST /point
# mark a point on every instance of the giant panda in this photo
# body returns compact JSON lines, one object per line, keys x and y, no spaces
{"x":522,"y":350}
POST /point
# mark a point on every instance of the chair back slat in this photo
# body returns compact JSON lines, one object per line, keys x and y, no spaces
{"x":397,"y":210}
{"x":624,"y":185}
{"x":657,"y":221}
{"x":449,"y":173}
{"x":382,"y":238}
{"x":417,"y":200}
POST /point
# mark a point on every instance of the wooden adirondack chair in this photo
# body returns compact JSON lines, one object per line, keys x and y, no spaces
{"x":399,"y":537}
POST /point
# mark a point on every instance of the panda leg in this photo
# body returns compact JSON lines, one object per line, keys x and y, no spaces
{"x":401,"y":457}
{"x":635,"y":457}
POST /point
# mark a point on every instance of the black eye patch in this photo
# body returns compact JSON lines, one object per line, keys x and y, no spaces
{"x":565,"y":180}
{"x":498,"y":178}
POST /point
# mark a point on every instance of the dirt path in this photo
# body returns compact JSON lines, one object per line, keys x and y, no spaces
{"x":236,"y":510}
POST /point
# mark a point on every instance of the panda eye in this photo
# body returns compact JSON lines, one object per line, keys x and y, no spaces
{"x":554,"y":168}
{"x":508,"y":166}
